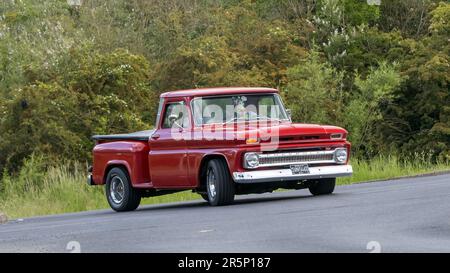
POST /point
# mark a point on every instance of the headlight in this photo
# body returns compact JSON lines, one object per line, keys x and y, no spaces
{"x":251,"y":160}
{"x":340,"y":155}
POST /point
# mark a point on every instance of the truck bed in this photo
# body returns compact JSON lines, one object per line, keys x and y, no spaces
{"x":141,"y":135}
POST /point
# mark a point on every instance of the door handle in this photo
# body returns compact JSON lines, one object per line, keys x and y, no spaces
{"x":155,"y":136}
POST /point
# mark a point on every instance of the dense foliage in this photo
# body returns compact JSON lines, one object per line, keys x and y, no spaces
{"x":67,"y":72}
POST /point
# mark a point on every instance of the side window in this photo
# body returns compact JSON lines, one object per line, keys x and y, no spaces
{"x":175,"y":115}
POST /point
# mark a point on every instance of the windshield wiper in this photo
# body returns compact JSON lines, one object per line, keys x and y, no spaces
{"x":268,"y":118}
{"x":231,"y":120}
{"x":256,"y":118}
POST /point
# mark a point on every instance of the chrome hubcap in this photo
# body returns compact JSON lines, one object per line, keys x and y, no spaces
{"x":211,"y":179}
{"x":117,"y":190}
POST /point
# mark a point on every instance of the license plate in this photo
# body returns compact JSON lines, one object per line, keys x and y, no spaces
{"x":299,"y":169}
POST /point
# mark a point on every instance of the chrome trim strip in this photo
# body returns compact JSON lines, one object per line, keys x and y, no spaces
{"x":330,"y":152}
{"x":284,"y":157}
{"x":286,"y":174}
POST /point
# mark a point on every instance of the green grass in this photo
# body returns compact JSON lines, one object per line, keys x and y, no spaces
{"x":39,"y":191}
{"x":387,"y":167}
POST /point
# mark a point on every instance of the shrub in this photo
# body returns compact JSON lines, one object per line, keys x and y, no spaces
{"x":364,"y":109}
{"x":313,"y":91}
{"x":57,"y":112}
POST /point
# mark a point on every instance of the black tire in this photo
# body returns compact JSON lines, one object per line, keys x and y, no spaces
{"x":131,"y":198}
{"x":323,"y":186}
{"x":223,"y":184}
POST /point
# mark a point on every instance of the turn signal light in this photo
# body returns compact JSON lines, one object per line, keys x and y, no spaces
{"x":336,"y":136}
{"x":251,"y":140}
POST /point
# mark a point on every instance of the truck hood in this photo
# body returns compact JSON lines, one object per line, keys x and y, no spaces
{"x":284,"y":131}
{"x":293,"y":130}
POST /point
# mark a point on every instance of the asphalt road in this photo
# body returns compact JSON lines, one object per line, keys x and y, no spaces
{"x":406,"y":215}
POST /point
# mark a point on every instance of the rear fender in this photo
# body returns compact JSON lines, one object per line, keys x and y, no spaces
{"x":116,"y":163}
{"x":130,"y":155}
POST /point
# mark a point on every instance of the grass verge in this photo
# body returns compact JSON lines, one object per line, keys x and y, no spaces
{"x":37,"y":190}
{"x":388,"y":167}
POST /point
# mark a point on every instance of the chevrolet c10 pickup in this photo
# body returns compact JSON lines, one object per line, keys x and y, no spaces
{"x":219,"y":142}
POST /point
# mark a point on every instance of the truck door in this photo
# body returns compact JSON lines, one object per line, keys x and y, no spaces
{"x":168,"y":158}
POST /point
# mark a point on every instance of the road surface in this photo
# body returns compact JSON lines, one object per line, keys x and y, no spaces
{"x":406,"y":215}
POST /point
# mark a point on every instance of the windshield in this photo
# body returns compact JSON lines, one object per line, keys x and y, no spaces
{"x":228,"y":109}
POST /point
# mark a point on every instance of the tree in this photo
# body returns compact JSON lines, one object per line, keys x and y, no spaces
{"x":57,"y":112}
{"x":410,"y":17}
{"x":364,"y":109}
{"x":314,"y":92}
{"x":418,"y":119}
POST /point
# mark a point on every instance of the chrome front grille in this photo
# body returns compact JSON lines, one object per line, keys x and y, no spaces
{"x":289,"y":158}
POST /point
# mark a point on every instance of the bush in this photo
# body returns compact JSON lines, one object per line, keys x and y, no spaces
{"x":314,"y":92}
{"x":364,"y":109}
{"x":57,"y":112}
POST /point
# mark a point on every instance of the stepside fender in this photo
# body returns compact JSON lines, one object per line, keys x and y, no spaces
{"x":131,"y":155}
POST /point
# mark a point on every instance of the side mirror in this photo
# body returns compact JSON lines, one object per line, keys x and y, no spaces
{"x":289,"y":113}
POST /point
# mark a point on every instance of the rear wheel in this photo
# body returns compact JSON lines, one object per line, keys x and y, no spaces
{"x":219,"y":185}
{"x":120,"y":194}
{"x":323,"y":186}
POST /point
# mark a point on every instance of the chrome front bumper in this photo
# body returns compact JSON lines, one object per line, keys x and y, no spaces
{"x":286,"y":174}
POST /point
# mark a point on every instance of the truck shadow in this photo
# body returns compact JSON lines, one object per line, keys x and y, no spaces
{"x":251,"y":199}
{"x":247,"y":200}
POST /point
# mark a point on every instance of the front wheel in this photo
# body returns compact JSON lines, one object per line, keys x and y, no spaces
{"x":120,"y":194}
{"x":219,"y":185}
{"x":323,"y":186}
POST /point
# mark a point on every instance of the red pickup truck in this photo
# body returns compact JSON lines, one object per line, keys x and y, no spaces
{"x":219,"y":142}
